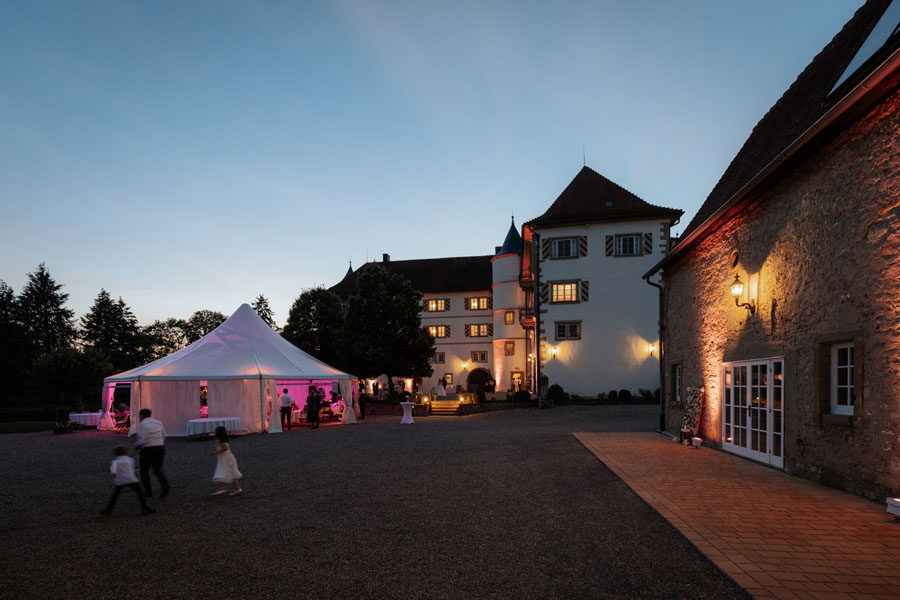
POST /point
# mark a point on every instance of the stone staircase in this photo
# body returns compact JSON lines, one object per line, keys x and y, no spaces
{"x":445,"y":408}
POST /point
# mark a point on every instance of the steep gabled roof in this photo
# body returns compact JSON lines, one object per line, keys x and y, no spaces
{"x":808,"y":99}
{"x":592,"y":197}
{"x":432,"y":275}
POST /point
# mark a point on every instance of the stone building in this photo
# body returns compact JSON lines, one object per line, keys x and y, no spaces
{"x":781,"y":298}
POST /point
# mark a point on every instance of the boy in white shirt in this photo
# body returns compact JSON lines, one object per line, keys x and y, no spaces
{"x":122,"y":469}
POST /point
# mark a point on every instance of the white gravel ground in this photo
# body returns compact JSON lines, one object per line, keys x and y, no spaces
{"x":498,"y":505}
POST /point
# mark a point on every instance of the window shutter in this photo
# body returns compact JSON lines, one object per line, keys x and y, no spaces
{"x":582,"y":245}
{"x":490,"y":330}
{"x":648,"y":243}
{"x":447,"y":330}
{"x":585,"y":291}
{"x":446,"y":304}
{"x":545,"y":249}
{"x":610,"y":245}
{"x":468,"y":302}
{"x":545,"y":293}
{"x":490,"y":302}
{"x":468,"y":331}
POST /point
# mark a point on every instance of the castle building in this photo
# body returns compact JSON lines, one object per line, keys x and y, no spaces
{"x":562,"y":302}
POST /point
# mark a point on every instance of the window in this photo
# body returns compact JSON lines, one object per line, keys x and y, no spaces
{"x":564,"y":292}
{"x":480,"y":330}
{"x":843,"y":396}
{"x":628,"y":245}
{"x":564,"y":248}
{"x":568,"y":330}
{"x":448,"y":379}
{"x":676,"y":384}
{"x":478,"y":303}
{"x":479,"y":357}
{"x":437,"y":305}
{"x":437,"y":358}
{"x":510,"y":348}
{"x":509,"y":317}
{"x":439,"y":331}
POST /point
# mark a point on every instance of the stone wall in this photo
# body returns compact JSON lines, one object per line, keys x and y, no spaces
{"x":819,"y":252}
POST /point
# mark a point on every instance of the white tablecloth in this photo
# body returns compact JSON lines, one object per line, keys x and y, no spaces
{"x":203,"y":426}
{"x":87,"y":419}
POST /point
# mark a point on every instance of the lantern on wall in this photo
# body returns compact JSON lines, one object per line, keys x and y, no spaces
{"x":737,"y":288}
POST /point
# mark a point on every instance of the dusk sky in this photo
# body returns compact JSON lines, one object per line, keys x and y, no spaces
{"x":192,"y":155}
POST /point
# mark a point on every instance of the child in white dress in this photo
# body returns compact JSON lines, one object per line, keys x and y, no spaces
{"x":226,"y":465}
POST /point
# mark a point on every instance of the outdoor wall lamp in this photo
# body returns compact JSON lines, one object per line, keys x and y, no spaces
{"x":554,"y":351}
{"x":465,"y":365}
{"x":651,"y":348}
{"x":737,"y":288}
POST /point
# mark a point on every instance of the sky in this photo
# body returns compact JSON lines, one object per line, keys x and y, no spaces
{"x":194,"y":155}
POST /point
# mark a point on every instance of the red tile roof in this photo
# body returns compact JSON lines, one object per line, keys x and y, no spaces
{"x":432,"y":275}
{"x":592,"y":197}
{"x":804,"y":103}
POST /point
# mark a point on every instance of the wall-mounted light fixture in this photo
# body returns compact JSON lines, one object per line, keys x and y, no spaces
{"x":465,"y":365}
{"x":737,"y":288}
{"x":554,"y":351}
{"x":651,"y":348}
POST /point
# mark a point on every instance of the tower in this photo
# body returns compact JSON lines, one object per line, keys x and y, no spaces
{"x":510,"y":353}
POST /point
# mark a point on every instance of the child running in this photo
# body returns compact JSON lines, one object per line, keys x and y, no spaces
{"x":122,"y":469}
{"x":226,"y":465}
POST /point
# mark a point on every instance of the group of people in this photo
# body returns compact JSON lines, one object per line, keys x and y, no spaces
{"x":150,"y":446}
{"x":314,"y":402}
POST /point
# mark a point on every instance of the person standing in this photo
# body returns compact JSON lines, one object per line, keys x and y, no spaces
{"x":286,"y":403}
{"x":312,"y":408}
{"x":151,"y":443}
{"x":122,"y":469}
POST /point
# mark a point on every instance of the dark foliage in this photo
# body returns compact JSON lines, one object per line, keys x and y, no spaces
{"x":314,"y":325}
{"x":556,"y":394}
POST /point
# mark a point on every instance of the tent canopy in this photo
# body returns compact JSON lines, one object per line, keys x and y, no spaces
{"x":243,"y":347}
{"x":242,"y":359}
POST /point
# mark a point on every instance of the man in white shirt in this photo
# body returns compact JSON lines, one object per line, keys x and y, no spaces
{"x":286,"y":403}
{"x":151,"y":439}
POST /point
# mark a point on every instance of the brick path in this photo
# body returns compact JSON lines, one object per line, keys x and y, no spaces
{"x":776,"y":535}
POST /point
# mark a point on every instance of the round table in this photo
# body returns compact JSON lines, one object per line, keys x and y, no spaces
{"x":407,"y":413}
{"x":91,"y":419}
{"x":205,"y":426}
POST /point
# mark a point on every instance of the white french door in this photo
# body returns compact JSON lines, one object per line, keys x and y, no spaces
{"x":752,"y":408}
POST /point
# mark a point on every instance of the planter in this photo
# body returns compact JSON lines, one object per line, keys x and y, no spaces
{"x":697,"y":442}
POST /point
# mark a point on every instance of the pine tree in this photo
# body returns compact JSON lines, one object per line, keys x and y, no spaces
{"x":265,"y":312}
{"x":110,"y":327}
{"x":40,"y":309}
{"x":201,"y":323}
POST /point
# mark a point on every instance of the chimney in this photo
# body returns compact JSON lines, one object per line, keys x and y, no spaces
{"x":385,"y":258}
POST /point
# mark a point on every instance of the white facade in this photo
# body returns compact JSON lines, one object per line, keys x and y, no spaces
{"x":463,"y":337}
{"x":605,"y":337}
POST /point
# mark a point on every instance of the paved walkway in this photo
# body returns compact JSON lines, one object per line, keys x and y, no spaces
{"x":776,"y":535}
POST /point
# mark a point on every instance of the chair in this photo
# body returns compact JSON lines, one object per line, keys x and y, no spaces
{"x":63,"y":423}
{"x":123,"y":422}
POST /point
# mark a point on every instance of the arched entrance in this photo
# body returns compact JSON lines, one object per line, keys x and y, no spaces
{"x":477,"y":381}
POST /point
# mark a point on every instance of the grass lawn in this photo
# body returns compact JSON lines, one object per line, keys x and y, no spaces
{"x":27,"y":426}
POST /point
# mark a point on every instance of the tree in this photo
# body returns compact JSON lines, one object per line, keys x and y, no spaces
{"x":69,"y":376}
{"x":162,"y":338}
{"x":314,"y":324}
{"x":46,"y":323}
{"x":201,"y":323}
{"x":265,"y":312}
{"x":112,"y":328}
{"x":13,"y":362}
{"x":383,"y":331}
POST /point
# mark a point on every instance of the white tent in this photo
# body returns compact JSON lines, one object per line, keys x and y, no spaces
{"x":243,"y":362}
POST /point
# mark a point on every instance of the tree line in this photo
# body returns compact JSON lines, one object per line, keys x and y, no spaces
{"x":47,"y":356}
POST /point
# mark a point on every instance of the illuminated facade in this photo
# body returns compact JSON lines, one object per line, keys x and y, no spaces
{"x":781,"y":298}
{"x":570,"y":280}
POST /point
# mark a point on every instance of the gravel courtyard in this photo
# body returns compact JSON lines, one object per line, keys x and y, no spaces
{"x":497,"y":505}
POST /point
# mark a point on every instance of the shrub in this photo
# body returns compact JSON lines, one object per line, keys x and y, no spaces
{"x":656,"y":395}
{"x":624,"y":396}
{"x":646,"y":395}
{"x":555,"y":393}
{"x":522,"y":396}
{"x":613,"y":396}
{"x":601,"y":396}
{"x":480,"y":398}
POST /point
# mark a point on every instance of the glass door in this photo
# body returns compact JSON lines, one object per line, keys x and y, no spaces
{"x":752,"y":409}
